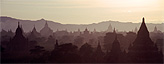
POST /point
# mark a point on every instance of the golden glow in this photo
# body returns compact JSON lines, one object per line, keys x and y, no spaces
{"x":85,"y":11}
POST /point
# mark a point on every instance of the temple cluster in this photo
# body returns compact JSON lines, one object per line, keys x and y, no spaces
{"x":137,"y":46}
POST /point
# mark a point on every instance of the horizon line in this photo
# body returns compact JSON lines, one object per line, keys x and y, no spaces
{"x":81,"y":24}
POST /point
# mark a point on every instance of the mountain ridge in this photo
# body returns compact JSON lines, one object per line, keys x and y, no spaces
{"x":6,"y":24}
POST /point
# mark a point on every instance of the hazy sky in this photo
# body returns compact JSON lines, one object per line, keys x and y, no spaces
{"x":85,"y":11}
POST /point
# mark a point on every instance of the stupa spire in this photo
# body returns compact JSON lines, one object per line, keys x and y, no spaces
{"x":34,"y":29}
{"x":18,"y":24}
{"x":155,"y":29}
{"x":109,"y":28}
{"x":19,"y":29}
{"x":143,"y":47}
{"x":143,"y":31}
{"x":86,"y":29}
{"x":116,"y":44}
{"x":143,"y":19}
{"x":56,"y":45}
{"x":114,"y":31}
{"x":46,"y":24}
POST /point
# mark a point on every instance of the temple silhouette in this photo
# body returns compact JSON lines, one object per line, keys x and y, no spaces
{"x":143,"y":49}
{"x":34,"y":34}
{"x":137,"y":46}
{"x":46,"y":31}
{"x":109,"y":28}
{"x":115,"y":52}
{"x":18,"y":44}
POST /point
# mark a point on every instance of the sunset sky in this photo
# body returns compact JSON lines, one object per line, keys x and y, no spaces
{"x":85,"y":11}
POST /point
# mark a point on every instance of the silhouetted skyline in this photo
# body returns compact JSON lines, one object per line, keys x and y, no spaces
{"x":47,"y":46}
{"x":82,"y":31}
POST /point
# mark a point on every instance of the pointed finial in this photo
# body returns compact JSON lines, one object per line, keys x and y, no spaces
{"x":143,"y":19}
{"x":114,"y":31}
{"x":18,"y":23}
{"x":56,"y":45}
{"x":155,"y":29}
{"x":34,"y":29}
{"x":86,"y":29}
{"x":56,"y":42}
{"x":46,"y":24}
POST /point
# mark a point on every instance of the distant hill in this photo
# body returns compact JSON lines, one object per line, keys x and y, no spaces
{"x":11,"y":23}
